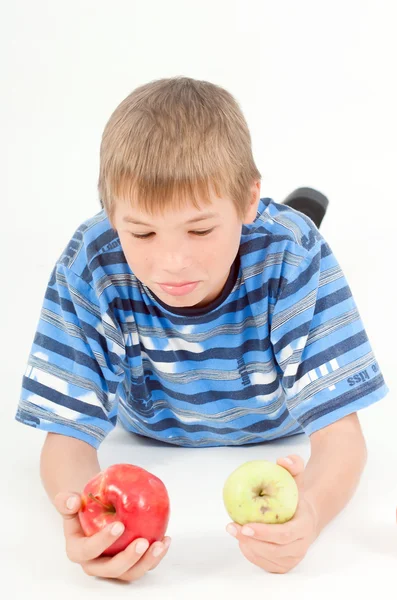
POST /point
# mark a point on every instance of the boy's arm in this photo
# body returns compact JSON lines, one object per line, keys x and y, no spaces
{"x":325,"y":486}
{"x":338,"y":457}
{"x":66,"y":464}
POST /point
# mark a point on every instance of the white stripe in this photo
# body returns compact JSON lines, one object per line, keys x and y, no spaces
{"x":323,"y":370}
{"x":313,"y":375}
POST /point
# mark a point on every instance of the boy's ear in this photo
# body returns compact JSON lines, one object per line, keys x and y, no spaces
{"x":253,"y":206}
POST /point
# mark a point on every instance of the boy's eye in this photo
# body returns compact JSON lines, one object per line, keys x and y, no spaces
{"x":206,"y":232}
{"x":141,"y":237}
{"x":146,"y":235}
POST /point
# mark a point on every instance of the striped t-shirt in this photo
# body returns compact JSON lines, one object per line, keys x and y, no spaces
{"x":281,"y":351}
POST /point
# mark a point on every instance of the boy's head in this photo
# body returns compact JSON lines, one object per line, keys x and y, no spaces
{"x":175,"y":150}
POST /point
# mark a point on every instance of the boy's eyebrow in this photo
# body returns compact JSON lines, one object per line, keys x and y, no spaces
{"x":194,"y":220}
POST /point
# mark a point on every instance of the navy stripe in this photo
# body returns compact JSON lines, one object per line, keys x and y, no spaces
{"x":292,"y":335}
{"x":48,"y":344}
{"x":257,"y":427}
{"x":347,"y":345}
{"x":333,"y":298}
{"x":303,"y":278}
{"x":58,"y":398}
{"x":203,"y":398}
{"x":63,"y":303}
{"x":165,"y":356}
{"x":105,"y":238}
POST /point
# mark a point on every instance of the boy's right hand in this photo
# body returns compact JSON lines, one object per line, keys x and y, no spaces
{"x":128,"y":565}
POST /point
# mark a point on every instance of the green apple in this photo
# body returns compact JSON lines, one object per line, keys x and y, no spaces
{"x":260,"y":491}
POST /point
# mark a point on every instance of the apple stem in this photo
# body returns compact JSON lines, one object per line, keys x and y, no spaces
{"x":108,"y":507}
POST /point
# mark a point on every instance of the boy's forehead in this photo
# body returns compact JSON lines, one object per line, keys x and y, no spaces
{"x":131,"y":213}
{"x":137,"y":219}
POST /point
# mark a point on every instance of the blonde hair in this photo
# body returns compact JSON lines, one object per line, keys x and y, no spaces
{"x":174,"y":141}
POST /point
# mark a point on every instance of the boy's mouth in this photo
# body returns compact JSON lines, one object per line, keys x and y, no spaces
{"x":178,"y":289}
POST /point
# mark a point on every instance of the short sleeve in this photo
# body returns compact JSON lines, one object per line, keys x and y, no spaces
{"x":71,"y":382}
{"x":326,"y":364}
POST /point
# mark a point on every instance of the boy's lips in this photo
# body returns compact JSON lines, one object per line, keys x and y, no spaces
{"x":170,"y":283}
{"x":179,"y":289}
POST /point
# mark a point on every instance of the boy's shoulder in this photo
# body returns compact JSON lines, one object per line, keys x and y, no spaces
{"x":282,"y":227}
{"x":90,"y":246}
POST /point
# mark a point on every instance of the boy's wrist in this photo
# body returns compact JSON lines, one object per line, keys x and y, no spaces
{"x":66,"y":465}
{"x":315,"y":509}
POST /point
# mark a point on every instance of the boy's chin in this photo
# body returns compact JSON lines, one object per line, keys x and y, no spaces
{"x":182,"y":301}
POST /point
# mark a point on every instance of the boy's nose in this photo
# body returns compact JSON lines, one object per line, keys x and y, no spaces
{"x":173,"y":261}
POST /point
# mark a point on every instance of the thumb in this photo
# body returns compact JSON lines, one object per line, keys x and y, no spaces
{"x":295,"y":465}
{"x":67,"y":504}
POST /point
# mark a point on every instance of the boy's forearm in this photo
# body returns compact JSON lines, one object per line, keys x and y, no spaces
{"x":333,"y":472}
{"x":66,"y":464}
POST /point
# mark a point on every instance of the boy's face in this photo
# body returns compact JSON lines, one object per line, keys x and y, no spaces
{"x":174,"y":252}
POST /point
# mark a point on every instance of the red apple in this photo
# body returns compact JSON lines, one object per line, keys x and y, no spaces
{"x":128,"y":494}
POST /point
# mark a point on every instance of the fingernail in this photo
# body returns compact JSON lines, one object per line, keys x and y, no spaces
{"x":117,"y":529}
{"x":157,"y":550}
{"x":141,"y":546}
{"x":288,"y":460}
{"x":167,"y":542}
{"x":232,"y":530}
{"x":71,"y":502}
{"x":247,"y":531}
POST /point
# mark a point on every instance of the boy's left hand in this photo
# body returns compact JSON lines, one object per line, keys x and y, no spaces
{"x":278,"y":548}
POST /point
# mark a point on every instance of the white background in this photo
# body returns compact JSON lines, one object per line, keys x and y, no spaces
{"x":316,"y":81}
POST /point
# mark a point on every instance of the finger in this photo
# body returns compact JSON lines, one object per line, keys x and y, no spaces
{"x":160,"y":555}
{"x":81,"y":548}
{"x":67,"y":504}
{"x":149,"y":561}
{"x":285,"y":533}
{"x":265,"y":564}
{"x":116,"y":566}
{"x":273,"y":552}
{"x":292,"y":463}
{"x":72,"y":528}
{"x":281,"y":565}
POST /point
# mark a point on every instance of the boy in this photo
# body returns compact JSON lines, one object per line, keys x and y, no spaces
{"x":199,"y":314}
